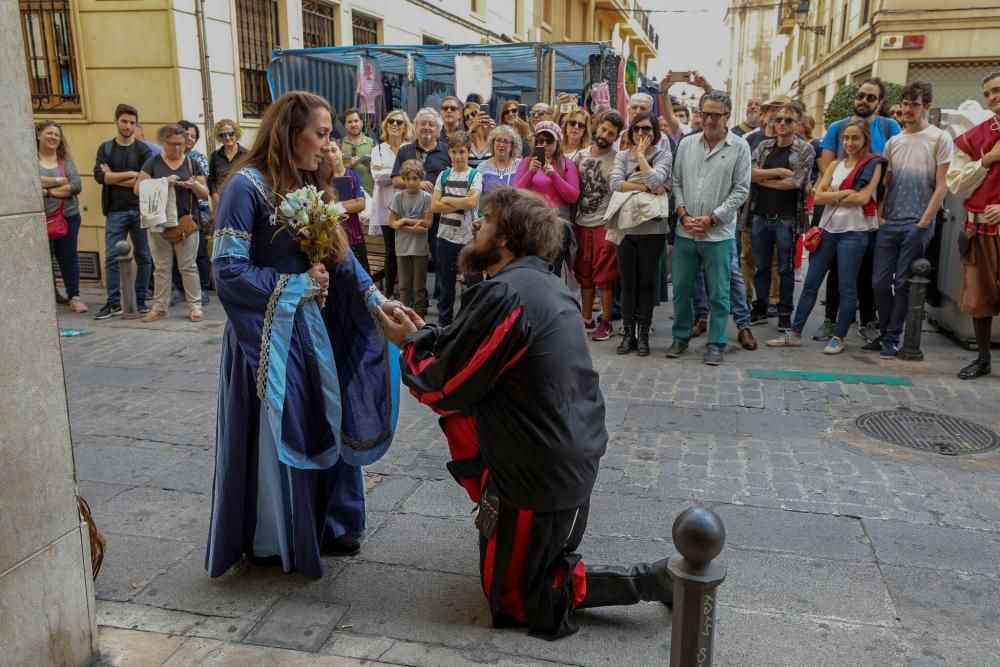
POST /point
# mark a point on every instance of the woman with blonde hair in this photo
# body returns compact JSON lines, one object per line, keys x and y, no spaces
{"x":396,"y":131}
{"x":227,"y":133}
{"x":479,"y":126}
{"x":60,"y":182}
{"x":576,"y":132}
{"x":306,"y":396}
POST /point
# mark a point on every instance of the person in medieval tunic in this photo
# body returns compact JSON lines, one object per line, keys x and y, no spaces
{"x":306,"y":396}
{"x":523,"y":415}
{"x":974,"y":175}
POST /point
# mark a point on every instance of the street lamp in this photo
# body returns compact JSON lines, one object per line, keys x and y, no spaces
{"x":802,"y":16}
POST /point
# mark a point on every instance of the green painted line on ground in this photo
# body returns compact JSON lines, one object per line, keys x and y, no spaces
{"x":816,"y":376}
{"x":214,"y":340}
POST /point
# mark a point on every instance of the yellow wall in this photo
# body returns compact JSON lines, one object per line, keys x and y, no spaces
{"x":126,"y":52}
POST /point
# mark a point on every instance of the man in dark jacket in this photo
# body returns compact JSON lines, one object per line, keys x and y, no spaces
{"x":523,"y":415}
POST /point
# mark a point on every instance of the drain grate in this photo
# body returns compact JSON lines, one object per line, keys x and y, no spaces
{"x":928,"y":432}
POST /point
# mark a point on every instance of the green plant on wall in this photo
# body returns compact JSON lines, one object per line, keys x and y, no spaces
{"x":842,"y":104}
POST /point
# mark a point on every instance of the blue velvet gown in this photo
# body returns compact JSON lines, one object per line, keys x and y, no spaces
{"x":306,"y":396}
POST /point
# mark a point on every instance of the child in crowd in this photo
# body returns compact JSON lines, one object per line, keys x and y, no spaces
{"x":410,"y":215}
{"x":456,"y":197}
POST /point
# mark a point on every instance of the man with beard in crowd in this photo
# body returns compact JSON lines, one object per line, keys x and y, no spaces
{"x":596,"y":265}
{"x":523,"y":415}
{"x":752,"y":121}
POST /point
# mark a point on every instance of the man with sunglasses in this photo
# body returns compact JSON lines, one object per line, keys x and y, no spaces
{"x":451,"y":116}
{"x":541,"y":111}
{"x":780,"y":178}
{"x":867,"y":102}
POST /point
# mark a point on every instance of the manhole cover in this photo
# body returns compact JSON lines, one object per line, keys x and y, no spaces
{"x":928,"y":432}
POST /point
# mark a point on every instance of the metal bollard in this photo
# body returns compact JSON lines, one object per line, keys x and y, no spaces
{"x":699,"y":537}
{"x":915,"y":311}
{"x":130,"y":310}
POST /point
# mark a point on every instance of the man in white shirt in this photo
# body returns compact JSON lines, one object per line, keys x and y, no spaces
{"x":915,"y":189}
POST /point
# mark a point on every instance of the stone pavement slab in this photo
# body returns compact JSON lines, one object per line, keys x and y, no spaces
{"x":842,"y":550}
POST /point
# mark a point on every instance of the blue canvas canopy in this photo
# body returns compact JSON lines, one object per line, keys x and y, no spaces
{"x":517,"y":68}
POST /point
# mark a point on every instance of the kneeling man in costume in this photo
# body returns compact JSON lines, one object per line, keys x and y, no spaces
{"x":522,"y":410}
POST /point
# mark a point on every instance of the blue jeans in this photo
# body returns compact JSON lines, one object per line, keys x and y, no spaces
{"x":737,"y":296}
{"x":896,"y":246}
{"x":117,"y":227}
{"x":846,"y":249}
{"x":447,"y":273}
{"x":64,"y":250}
{"x":765,"y":234}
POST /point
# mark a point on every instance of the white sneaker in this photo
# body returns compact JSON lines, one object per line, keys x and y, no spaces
{"x":790,"y":339}
{"x":77,"y":305}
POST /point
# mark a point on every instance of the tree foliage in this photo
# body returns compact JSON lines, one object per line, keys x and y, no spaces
{"x":842,"y":104}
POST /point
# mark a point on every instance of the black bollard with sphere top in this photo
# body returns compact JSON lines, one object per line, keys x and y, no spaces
{"x":919,"y":282}
{"x":699,"y":537}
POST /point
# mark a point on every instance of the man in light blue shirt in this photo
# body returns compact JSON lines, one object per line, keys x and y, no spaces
{"x":711,"y":181}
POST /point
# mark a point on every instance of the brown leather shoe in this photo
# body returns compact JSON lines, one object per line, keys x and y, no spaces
{"x":700,"y":327}
{"x":747,"y":340}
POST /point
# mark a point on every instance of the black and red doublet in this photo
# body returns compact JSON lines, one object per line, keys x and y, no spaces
{"x":523,"y":414}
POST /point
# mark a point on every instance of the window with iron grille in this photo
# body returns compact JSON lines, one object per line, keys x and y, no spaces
{"x":50,"y":51}
{"x":257,"y":35}
{"x":318,"y":24}
{"x":364,"y":29}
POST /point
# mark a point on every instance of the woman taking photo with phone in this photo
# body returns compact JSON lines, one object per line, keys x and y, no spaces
{"x":510,"y":115}
{"x":478,"y":125}
{"x":847,"y":190}
{"x":549,"y":173}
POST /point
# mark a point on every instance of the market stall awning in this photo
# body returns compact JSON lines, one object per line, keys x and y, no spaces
{"x":516,"y":66}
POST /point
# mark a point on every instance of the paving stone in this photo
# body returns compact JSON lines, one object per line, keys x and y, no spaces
{"x":781,"y":583}
{"x":97,"y":493}
{"x":403,"y":603}
{"x":149,"y":512}
{"x":425,"y":655}
{"x":244,"y":592}
{"x":131,"y":562}
{"x":194,"y":474}
{"x":612,"y":514}
{"x":346,"y":643}
{"x":427,"y":543}
{"x":442,"y":498}
{"x":388,"y":491}
{"x":302,"y":625}
{"x":938,"y":649}
{"x":960,"y":605}
{"x":750,"y":638}
{"x":133,"y":616}
{"x":130,"y":466}
{"x":899,"y":543}
{"x":793,"y":532}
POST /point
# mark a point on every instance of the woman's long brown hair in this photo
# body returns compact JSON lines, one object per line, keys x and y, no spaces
{"x":273,"y":154}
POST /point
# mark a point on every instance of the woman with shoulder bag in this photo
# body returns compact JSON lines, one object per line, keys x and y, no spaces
{"x":188,"y":182}
{"x":61,"y":184}
{"x":642,"y":168}
{"x":847,"y":190}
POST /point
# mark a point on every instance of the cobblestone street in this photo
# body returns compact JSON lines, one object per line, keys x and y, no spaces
{"x":841,"y":549}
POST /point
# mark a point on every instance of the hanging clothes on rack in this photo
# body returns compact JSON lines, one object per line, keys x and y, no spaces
{"x":369,"y":88}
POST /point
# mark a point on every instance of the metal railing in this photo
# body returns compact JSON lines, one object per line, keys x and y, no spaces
{"x":258,"y":35}
{"x":318,"y":24}
{"x":364,"y":29}
{"x":50,"y":51}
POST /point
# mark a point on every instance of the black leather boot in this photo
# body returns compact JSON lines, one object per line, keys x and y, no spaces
{"x":629,"y":342}
{"x":642,"y":341}
{"x":611,"y":585}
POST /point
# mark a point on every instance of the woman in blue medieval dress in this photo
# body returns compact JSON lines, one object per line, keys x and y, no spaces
{"x":306,"y":396}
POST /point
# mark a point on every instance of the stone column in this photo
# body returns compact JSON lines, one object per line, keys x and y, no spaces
{"x":46,"y":591}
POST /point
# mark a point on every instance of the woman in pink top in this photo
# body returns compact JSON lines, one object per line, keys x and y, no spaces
{"x":553,"y":176}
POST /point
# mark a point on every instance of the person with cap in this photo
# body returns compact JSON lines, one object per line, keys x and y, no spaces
{"x":555,"y":178}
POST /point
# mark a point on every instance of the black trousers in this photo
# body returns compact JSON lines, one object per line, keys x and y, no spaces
{"x":638,"y":262}
{"x":389,"y":237}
